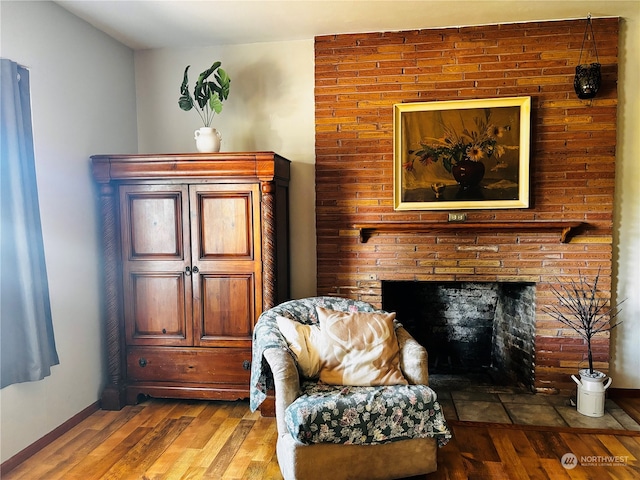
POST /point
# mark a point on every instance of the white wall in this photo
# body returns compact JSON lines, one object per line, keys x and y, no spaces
{"x":83,"y":102}
{"x":270,"y":107}
{"x":625,"y":361}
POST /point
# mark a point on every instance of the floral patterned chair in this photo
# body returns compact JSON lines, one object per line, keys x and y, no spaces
{"x":338,"y":431}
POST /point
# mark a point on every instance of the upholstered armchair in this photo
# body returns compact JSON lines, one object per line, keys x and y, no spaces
{"x":387,"y":426}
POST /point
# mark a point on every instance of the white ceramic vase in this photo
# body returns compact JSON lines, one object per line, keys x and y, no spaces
{"x":207,"y":140}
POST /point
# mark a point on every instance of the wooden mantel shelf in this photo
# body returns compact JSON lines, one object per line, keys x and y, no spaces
{"x":367,"y":229}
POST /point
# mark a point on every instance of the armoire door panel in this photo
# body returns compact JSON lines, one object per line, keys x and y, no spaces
{"x":156,"y":253}
{"x":156,"y":310}
{"x":226,"y":222}
{"x":227,"y":308}
{"x":153,"y":222}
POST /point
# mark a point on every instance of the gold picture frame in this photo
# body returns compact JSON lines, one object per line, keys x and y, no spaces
{"x":461,"y":154}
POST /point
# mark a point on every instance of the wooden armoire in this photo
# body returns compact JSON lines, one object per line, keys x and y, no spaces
{"x":195,"y":248}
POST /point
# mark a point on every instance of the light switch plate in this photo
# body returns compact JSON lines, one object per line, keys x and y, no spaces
{"x":457,"y":217}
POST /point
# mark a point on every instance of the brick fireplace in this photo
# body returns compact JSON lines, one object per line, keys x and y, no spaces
{"x":359,"y":77}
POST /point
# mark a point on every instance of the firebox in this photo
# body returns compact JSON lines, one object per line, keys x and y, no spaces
{"x":470,"y":327}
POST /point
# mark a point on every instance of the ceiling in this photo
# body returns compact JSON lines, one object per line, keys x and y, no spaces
{"x":144,"y":24}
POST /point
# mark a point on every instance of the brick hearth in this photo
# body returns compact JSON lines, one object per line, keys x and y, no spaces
{"x":358,"y":79}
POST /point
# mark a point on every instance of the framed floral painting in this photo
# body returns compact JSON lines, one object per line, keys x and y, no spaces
{"x":461,"y":154}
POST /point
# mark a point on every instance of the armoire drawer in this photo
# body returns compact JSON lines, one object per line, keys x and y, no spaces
{"x":192,"y":365}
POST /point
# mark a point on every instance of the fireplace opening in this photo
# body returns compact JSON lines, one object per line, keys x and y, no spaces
{"x":470,"y":328}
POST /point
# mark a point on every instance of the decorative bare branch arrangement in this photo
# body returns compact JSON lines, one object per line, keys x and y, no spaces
{"x":582,"y":308}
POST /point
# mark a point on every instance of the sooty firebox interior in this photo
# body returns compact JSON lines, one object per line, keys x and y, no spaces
{"x":470,"y":327}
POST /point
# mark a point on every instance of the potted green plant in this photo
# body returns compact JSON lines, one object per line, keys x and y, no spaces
{"x":582,"y":308}
{"x":208,"y":95}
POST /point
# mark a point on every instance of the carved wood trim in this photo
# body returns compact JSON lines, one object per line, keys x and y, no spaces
{"x":113,"y":394}
{"x":268,"y":245}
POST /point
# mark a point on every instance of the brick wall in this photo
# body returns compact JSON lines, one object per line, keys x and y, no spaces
{"x":358,"y":79}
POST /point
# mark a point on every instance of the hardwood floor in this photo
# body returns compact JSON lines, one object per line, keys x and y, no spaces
{"x":161,"y":439}
{"x":514,"y":452}
{"x":170,"y":439}
{"x":631,"y":405}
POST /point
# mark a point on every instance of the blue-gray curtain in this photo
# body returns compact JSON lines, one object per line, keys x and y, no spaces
{"x":27,"y":345}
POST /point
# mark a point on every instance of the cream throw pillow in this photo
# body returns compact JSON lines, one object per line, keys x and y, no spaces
{"x":359,"y":348}
{"x":303,"y":340}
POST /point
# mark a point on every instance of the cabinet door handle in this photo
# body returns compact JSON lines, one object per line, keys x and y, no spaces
{"x":246,"y":364}
{"x":142,"y":362}
{"x":195,"y":269}
{"x":187,"y":271}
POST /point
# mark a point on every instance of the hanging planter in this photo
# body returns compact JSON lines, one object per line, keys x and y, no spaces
{"x":587,"y":80}
{"x":588,"y":77}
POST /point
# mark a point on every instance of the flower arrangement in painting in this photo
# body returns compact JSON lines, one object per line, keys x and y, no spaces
{"x":476,"y":144}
